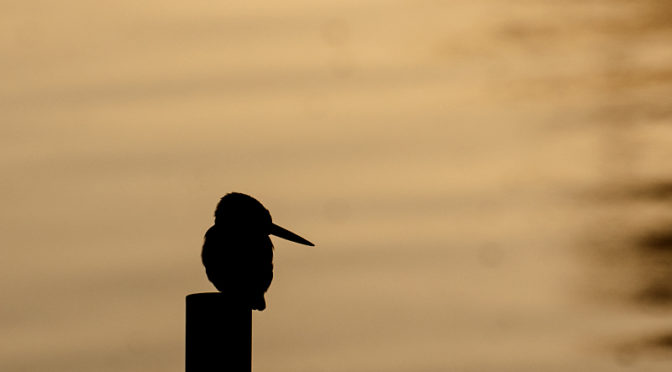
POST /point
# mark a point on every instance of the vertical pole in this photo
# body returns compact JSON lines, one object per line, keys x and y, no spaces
{"x":218,"y":334}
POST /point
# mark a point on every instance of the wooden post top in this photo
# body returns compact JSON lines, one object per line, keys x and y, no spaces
{"x":218,"y":333}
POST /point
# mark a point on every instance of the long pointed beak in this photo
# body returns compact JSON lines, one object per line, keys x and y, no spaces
{"x":286,"y":234}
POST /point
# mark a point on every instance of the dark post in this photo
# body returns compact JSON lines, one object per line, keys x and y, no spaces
{"x":219,"y":334}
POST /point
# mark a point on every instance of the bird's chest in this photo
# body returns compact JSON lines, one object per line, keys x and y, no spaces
{"x":227,"y":250}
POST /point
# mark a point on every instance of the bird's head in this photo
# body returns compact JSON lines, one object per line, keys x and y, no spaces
{"x":245,"y":214}
{"x":242,"y":212}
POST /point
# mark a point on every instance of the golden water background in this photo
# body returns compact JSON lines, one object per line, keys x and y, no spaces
{"x":488,"y":182}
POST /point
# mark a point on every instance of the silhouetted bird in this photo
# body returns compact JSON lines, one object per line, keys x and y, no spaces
{"x":238,"y":253}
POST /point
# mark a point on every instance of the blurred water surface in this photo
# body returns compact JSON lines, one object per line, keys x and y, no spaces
{"x":487,"y":182}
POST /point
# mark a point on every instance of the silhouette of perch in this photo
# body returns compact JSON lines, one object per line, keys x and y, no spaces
{"x":218,"y":334}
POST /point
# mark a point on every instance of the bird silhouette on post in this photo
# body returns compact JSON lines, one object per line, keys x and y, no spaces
{"x":238,"y":252}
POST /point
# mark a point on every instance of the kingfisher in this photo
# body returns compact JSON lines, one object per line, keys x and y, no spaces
{"x":238,"y":252}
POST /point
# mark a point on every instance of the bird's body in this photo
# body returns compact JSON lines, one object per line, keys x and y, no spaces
{"x":239,"y":264}
{"x":238,"y":252}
